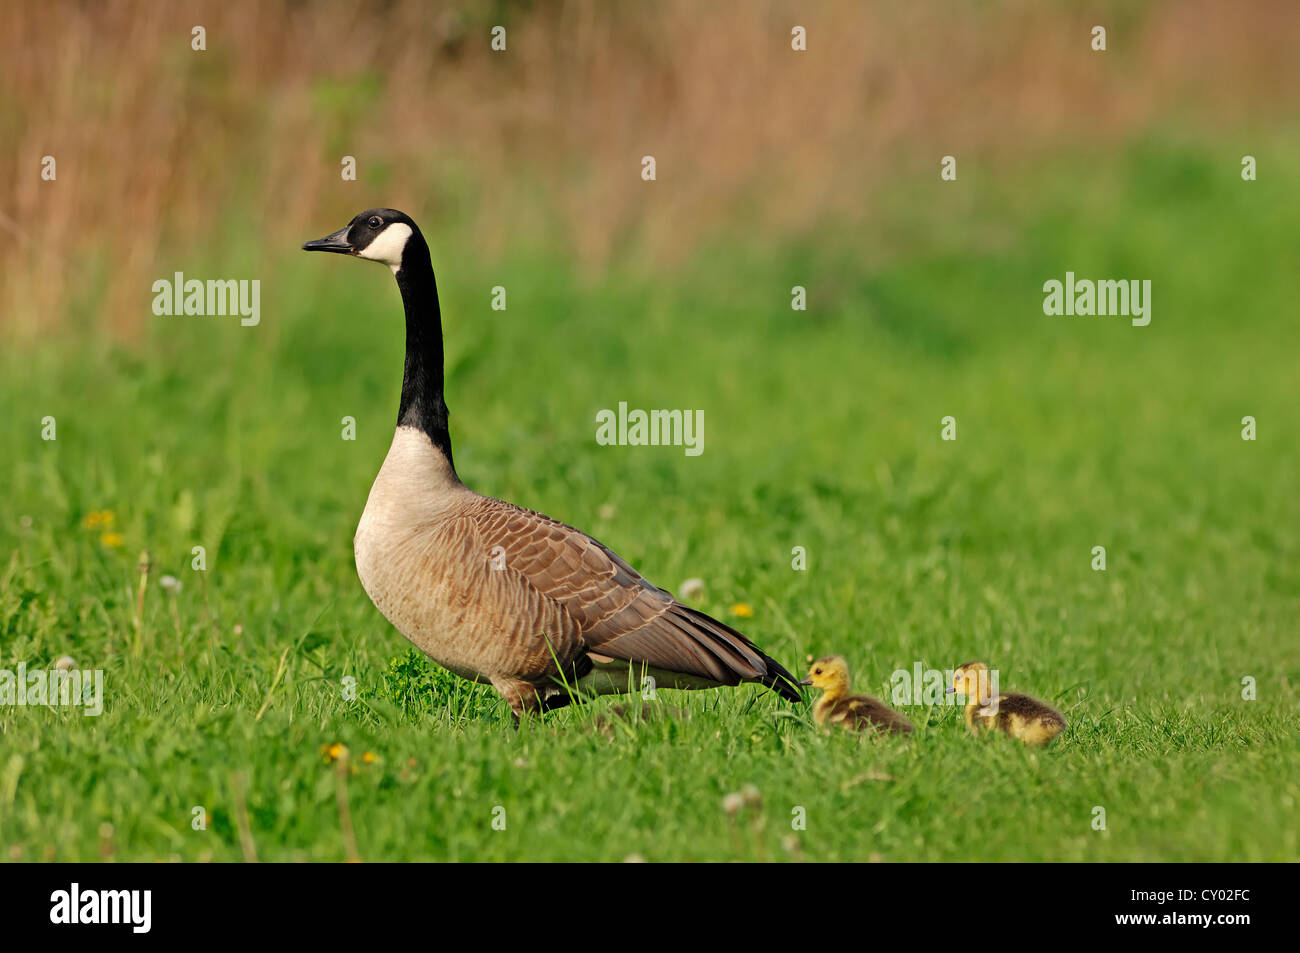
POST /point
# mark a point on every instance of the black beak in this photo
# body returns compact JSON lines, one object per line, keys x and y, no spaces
{"x":338,"y":242}
{"x":804,"y":681}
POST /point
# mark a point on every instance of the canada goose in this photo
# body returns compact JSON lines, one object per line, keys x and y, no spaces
{"x":838,"y":707}
{"x":494,"y":592}
{"x":1023,"y":718}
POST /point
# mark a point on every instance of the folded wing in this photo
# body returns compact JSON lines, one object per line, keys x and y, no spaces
{"x":618,"y":612}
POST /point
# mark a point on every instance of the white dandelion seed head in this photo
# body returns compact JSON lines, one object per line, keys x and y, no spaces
{"x":692,"y":588}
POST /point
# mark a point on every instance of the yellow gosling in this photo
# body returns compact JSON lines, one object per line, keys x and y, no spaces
{"x":853,"y":712}
{"x":1024,"y":718}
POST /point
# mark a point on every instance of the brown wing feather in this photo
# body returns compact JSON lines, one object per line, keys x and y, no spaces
{"x":618,"y":612}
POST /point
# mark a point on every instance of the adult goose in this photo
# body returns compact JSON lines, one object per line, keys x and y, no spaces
{"x":494,"y":592}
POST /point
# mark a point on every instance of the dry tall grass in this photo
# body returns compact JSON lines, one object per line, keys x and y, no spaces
{"x":157,"y":145}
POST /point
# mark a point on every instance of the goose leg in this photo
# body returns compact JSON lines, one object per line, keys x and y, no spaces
{"x":522,"y":697}
{"x":560,"y":699}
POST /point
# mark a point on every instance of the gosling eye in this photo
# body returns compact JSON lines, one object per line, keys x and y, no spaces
{"x":375,"y":221}
{"x":817,"y":671}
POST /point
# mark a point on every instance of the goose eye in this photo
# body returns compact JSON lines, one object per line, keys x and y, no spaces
{"x":375,"y":221}
{"x":817,"y":672}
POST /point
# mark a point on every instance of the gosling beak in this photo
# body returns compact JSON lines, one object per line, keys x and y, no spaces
{"x":950,"y":690}
{"x":805,"y":681}
{"x":338,"y":242}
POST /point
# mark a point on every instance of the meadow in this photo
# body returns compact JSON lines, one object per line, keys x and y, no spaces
{"x":266,"y":697}
{"x":824,"y":432}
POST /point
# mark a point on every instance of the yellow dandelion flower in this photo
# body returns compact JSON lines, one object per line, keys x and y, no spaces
{"x":112,"y":540}
{"x":335,"y":752}
{"x":742,"y":610}
{"x":369,"y":757}
{"x":98,"y":519}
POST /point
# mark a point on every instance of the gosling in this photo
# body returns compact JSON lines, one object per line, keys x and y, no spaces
{"x":852,"y":712}
{"x":1026,"y":719}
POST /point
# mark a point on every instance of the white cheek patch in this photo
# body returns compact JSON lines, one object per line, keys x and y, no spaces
{"x":388,"y":246}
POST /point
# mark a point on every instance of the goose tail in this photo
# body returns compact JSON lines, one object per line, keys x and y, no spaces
{"x":744,"y":660}
{"x":780,"y":680}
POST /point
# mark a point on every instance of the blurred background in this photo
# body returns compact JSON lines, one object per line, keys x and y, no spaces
{"x":775,"y":168}
{"x":165,"y":153}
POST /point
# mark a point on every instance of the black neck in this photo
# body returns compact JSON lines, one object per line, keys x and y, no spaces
{"x":422,"y":404}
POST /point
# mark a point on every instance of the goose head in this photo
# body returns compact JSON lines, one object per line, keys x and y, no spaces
{"x":377,"y":234}
{"x":830,"y":674}
{"x":389,"y":236}
{"x":972,"y":680}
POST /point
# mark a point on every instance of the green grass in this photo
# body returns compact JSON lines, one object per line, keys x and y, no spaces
{"x":822,"y":431}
